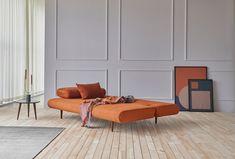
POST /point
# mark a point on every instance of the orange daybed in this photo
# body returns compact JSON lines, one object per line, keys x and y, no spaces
{"x":119,"y":113}
{"x":71,"y":99}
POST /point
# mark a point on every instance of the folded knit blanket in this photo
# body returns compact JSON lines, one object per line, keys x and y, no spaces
{"x":87,"y":106}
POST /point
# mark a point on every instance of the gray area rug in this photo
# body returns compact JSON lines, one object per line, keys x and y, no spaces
{"x":25,"y":142}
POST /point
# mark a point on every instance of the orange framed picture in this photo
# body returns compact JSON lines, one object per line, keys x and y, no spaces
{"x":182,"y":75}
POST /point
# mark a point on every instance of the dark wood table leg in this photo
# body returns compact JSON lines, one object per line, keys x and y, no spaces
{"x":28,"y":109}
{"x":112,"y":124}
{"x":155,"y":120}
{"x":61,"y":114}
{"x":35,"y":112}
{"x":19,"y":111}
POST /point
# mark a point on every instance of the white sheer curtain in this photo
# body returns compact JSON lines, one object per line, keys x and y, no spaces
{"x":12,"y":46}
{"x":36,"y":43}
{"x":15,"y":29}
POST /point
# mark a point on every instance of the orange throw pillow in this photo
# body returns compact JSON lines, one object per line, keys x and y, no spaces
{"x":103,"y":91}
{"x":68,"y":92}
{"x":89,"y":91}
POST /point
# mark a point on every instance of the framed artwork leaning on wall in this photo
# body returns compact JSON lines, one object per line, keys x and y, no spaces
{"x":182,"y":75}
{"x":201,"y":95}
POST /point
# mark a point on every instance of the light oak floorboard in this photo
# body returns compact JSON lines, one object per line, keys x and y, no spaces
{"x":186,"y":135}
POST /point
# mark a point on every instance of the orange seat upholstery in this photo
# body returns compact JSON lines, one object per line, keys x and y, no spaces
{"x":122,"y":113}
{"x":162,"y":108}
{"x":70,"y":105}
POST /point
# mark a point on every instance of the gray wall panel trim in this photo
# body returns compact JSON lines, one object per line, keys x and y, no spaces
{"x":186,"y":41}
{"x":172,"y":36}
{"x":221,"y":71}
{"x":84,"y":70}
{"x":148,"y":70}
{"x":55,"y":82}
{"x":186,"y":30}
{"x":219,"y":98}
{"x":105,"y":58}
{"x":56,"y":30}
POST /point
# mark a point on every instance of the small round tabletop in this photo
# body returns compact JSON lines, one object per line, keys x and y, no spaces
{"x":26,"y":102}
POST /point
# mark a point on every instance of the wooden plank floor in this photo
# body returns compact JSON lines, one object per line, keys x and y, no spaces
{"x":186,"y":135}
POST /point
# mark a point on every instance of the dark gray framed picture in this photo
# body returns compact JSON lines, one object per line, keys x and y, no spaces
{"x":201,"y":95}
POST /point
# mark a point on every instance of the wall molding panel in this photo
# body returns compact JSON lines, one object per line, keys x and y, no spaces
{"x":155,"y":58}
{"x":223,"y":91}
{"x":210,"y":37}
{"x":104,"y":51}
{"x":137,"y":73}
{"x":80,"y":75}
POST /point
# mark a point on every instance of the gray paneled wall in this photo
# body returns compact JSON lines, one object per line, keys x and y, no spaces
{"x":132,"y":46}
{"x":234,"y":50}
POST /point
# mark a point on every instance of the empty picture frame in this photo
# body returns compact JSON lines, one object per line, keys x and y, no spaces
{"x":182,"y":75}
{"x":201,"y":95}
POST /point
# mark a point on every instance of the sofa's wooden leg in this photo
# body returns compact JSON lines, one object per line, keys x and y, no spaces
{"x":61,"y":114}
{"x":155,"y":120}
{"x":112,"y":124}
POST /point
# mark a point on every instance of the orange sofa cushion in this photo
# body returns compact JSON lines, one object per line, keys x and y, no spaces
{"x":89,"y":91}
{"x":72,"y":92}
{"x":122,"y":113}
{"x":68,"y":92}
{"x":162,"y":108}
{"x":70,"y":105}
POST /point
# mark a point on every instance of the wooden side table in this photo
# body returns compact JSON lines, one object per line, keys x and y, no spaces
{"x":34,"y":102}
